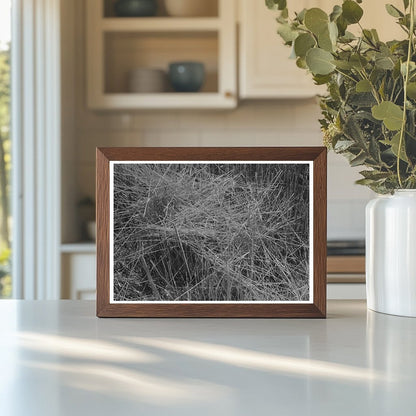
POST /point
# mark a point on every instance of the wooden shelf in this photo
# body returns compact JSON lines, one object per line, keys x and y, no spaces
{"x":346,"y":269}
{"x":128,"y":101}
{"x":87,"y":247}
{"x":160,"y":24}
{"x":346,"y":264}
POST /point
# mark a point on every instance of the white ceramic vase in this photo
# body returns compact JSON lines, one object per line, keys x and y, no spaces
{"x":391,"y":253}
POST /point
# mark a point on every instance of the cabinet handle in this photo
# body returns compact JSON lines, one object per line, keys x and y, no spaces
{"x":229,"y":94}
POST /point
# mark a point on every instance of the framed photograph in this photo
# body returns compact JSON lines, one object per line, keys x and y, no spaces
{"x":211,"y":232}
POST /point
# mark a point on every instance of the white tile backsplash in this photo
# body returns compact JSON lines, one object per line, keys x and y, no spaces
{"x":258,"y":123}
{"x":215,"y":120}
{"x":341,"y":180}
{"x":172,"y":138}
{"x":346,"y":219}
{"x":148,"y":120}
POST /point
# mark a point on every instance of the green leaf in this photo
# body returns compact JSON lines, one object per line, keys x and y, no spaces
{"x":358,"y":160}
{"x":325,"y":42}
{"x":347,"y":37}
{"x":320,"y":61}
{"x":342,"y":25}
{"x":394,"y":145}
{"x":292,"y":53}
{"x":411,"y":90}
{"x":301,"y":15}
{"x":375,"y":35}
{"x":358,"y":61}
{"x":362,"y":99}
{"x":374,"y":175}
{"x":365,"y":182}
{"x":405,"y":21}
{"x":354,"y":132}
{"x":411,"y":123}
{"x":384,"y":62}
{"x":281,"y":20}
{"x":363,"y":86}
{"x":374,"y":150}
{"x":287,"y":33}
{"x":352,"y":12}
{"x":344,"y":65}
{"x":382,"y":89}
{"x":321,"y":79}
{"x":393,"y":11}
{"x":406,"y":4}
{"x":391,"y":114}
{"x":368,"y":36}
{"x":396,"y":70}
{"x":303,"y":43}
{"x":412,"y":67}
{"x":336,"y":12}
{"x":276,"y":4}
{"x":316,"y":20}
{"x":343,"y":145}
{"x":333,"y":32}
{"x":301,"y":63}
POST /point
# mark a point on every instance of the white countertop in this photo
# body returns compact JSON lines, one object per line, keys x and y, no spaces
{"x":56,"y":358}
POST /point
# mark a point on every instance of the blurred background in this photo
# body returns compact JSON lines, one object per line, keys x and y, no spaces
{"x":146,"y":73}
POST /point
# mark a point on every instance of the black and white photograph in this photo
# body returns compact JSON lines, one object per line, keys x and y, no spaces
{"x":210,"y":232}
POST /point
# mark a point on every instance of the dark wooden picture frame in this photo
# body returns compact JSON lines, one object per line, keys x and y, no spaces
{"x":314,"y":308}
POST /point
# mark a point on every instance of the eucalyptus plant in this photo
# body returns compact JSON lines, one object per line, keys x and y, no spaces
{"x":369,"y":111}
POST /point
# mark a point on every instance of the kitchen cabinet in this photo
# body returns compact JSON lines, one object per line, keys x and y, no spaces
{"x":118,"y":45}
{"x":346,"y":277}
{"x":264,"y":65}
{"x":265,"y":70}
{"x":78,"y":263}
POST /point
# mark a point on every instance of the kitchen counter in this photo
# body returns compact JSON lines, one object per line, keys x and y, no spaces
{"x":58,"y":359}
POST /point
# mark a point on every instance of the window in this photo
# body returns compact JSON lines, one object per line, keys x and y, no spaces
{"x":5,"y":147}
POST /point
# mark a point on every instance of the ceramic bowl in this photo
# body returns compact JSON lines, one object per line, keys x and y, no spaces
{"x":147,"y":80}
{"x":135,"y":8}
{"x":186,"y":76}
{"x":191,"y":8}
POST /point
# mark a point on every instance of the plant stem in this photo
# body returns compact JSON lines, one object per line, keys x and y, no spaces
{"x":406,"y":80}
{"x":346,"y":75}
{"x":373,"y":88}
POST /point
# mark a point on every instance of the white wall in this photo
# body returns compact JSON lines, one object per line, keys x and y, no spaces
{"x":259,"y":123}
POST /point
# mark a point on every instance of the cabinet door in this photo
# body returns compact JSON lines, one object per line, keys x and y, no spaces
{"x":78,"y":276}
{"x":265,"y":68}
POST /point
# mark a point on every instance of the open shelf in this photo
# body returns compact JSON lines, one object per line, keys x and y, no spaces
{"x":126,"y":51}
{"x":160,"y":24}
{"x":346,"y":269}
{"x":84,"y":247}
{"x":167,"y":100}
{"x":119,"y":45}
{"x":346,"y":264}
{"x":210,"y":7}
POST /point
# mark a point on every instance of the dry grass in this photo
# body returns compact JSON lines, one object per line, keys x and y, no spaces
{"x":212,"y":232}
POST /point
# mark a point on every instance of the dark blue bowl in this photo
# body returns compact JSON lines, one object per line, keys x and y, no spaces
{"x":135,"y":8}
{"x":187,"y":76}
